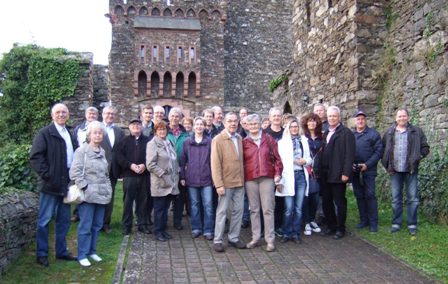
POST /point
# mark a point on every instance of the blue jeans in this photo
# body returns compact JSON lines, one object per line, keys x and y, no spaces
{"x":292,"y":218}
{"x":202,"y":197}
{"x":91,"y":218}
{"x":366,"y":199}
{"x":409,"y":182}
{"x":50,"y":205}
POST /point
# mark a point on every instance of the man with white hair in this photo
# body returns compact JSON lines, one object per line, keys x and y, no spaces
{"x":51,"y":157}
{"x":335,"y":170}
{"x":159,"y":114}
{"x":228,"y":178}
{"x":276,"y":131}
{"x":91,"y":114}
{"x":177,"y":135}
{"x":113,"y":135}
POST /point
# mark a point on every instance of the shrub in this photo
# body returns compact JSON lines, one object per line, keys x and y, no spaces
{"x":15,"y":169}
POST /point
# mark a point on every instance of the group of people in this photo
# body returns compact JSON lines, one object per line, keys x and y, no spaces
{"x":227,"y":170}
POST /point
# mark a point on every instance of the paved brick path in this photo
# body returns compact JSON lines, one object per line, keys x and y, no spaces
{"x":317,"y":260}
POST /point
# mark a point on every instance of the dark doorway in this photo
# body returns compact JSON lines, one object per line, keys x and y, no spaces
{"x":287,"y":108}
{"x":142,"y":81}
{"x":155,"y":81}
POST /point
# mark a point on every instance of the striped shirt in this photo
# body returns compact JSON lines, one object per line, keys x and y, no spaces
{"x":400,"y":151}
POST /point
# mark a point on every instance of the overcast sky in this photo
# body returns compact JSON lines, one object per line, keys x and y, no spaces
{"x":76,"y":25}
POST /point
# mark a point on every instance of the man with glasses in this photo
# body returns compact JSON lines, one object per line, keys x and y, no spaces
{"x":228,"y":178}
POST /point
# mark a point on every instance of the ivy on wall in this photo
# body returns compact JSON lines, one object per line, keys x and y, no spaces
{"x":33,"y":79}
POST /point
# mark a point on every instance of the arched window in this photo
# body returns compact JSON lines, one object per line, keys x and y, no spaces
{"x":216,"y":15}
{"x":142,"y":54}
{"x":179,"y":13}
{"x":203,"y":15}
{"x":167,"y":13}
{"x":180,"y":85}
{"x":155,"y":82}
{"x":155,"y":12}
{"x":167,"y":84}
{"x":192,"y":84}
{"x":143,"y":11}
{"x":191,"y":13}
{"x":131,"y":11}
{"x":119,"y":11}
{"x":142,"y":81}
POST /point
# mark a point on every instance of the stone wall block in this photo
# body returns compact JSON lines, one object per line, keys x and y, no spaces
{"x":18,"y":217}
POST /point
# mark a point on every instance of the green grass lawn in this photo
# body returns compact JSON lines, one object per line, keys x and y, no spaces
{"x":427,"y":251}
{"x":26,"y":270}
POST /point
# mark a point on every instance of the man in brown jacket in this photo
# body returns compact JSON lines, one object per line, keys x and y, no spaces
{"x":228,"y":178}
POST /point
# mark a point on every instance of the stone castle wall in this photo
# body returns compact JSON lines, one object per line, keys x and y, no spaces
{"x":371,"y":55}
{"x":417,"y":45}
{"x":258,"y":44}
{"x":18,"y":215}
{"x":242,"y":45}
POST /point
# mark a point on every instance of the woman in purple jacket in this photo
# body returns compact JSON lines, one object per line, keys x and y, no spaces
{"x":195,"y":173}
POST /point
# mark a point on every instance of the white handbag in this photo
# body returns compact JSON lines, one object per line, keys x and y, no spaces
{"x":75,"y":195}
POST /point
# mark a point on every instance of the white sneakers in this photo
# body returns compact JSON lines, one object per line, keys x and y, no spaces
{"x":95,"y":257}
{"x":315,"y":227}
{"x":84,"y":262}
{"x":311,"y":228}
{"x":308,"y":230}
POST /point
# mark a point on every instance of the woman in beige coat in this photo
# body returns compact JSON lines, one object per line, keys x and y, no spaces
{"x":162,"y":164}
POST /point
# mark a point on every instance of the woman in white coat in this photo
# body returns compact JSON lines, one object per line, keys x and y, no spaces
{"x":295,"y":155}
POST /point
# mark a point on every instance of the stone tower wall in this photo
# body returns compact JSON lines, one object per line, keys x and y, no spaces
{"x":414,"y":66}
{"x":258,"y":44}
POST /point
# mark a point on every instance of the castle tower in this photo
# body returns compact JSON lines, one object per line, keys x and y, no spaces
{"x":196,"y":54}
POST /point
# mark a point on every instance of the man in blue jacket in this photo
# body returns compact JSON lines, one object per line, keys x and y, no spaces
{"x":369,"y":149}
{"x":51,"y":157}
{"x":405,"y":146}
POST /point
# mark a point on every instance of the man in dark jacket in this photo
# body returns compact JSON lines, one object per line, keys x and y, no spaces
{"x":51,"y":157}
{"x":113,"y":135}
{"x":131,"y":157}
{"x":404,"y":146}
{"x":336,"y":168}
{"x":369,"y":149}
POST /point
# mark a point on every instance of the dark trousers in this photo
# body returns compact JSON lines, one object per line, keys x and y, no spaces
{"x":279,"y":211}
{"x":333,"y":194}
{"x":110,"y":206}
{"x":366,"y":199}
{"x":161,"y":205}
{"x":178,"y":205}
{"x":150,"y":205}
{"x":310,"y":207}
{"x":136,"y":190}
